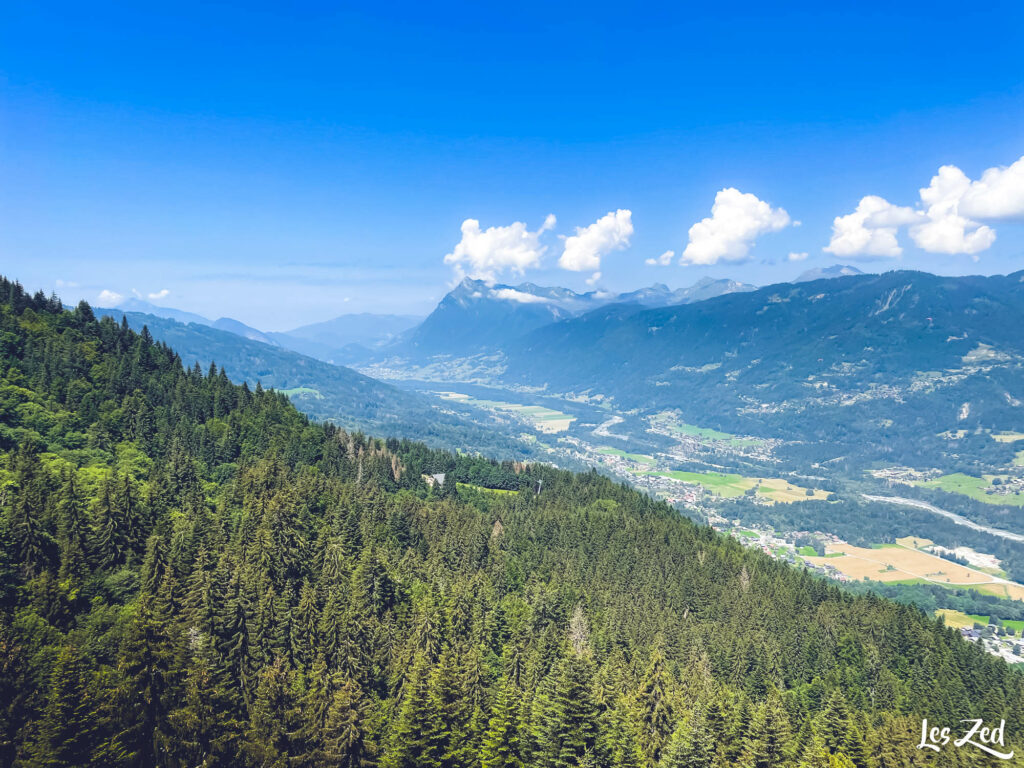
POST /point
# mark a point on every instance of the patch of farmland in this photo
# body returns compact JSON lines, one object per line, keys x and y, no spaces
{"x":896,"y":564}
{"x":546,"y":420}
{"x":729,"y":485}
{"x":977,"y":488}
{"x":959,"y":620}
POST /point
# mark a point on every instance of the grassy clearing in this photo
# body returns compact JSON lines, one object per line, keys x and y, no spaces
{"x":1016,"y":626}
{"x":958,"y":619}
{"x":1007,"y":437}
{"x":1018,"y":460}
{"x":807,"y":551}
{"x":885,"y":546}
{"x":470,"y":486}
{"x":974,"y":487}
{"x":639,"y":458}
{"x":746,"y":534}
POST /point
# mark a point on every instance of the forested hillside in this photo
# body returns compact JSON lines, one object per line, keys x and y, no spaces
{"x":326,"y":392}
{"x":192,"y":573}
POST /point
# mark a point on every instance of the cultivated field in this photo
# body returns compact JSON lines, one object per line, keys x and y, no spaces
{"x":913,"y":542}
{"x":542,"y":419}
{"x":958,"y":619}
{"x":975,"y":487}
{"x":669,"y":421}
{"x":1007,"y":437}
{"x":729,"y":485}
{"x":898,"y":563}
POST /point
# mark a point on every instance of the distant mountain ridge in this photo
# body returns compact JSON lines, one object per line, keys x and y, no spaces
{"x":334,"y":341}
{"x":889,"y":348}
{"x":339,"y":339}
{"x":476,"y":315}
{"x":148,"y":308}
{"x":827,"y":273}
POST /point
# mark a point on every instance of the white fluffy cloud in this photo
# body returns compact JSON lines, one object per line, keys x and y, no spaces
{"x":998,"y":194}
{"x":870,"y":231}
{"x":736,"y":221}
{"x":583,"y":251}
{"x":949,"y":218}
{"x":108,"y":298}
{"x":794,"y":256}
{"x":662,"y":261}
{"x":163,"y":293}
{"x":487,"y":253}
{"x":944,"y":230}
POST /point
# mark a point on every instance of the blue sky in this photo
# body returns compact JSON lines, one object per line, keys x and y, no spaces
{"x":286,"y":163}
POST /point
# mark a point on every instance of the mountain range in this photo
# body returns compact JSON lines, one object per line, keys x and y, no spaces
{"x":334,"y":340}
{"x":474,"y":316}
{"x":903,"y":350}
{"x":477,"y":316}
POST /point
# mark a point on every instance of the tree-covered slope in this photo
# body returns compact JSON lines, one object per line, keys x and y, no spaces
{"x":191,"y":573}
{"x":326,"y":392}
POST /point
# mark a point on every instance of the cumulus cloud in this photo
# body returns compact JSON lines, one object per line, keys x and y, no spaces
{"x":870,"y":231}
{"x":737,"y":220}
{"x":998,"y":194}
{"x":662,"y":261}
{"x":484,"y":254}
{"x":583,"y":251}
{"x":945,"y":230}
{"x":163,"y":293}
{"x":108,"y":298}
{"x":949,"y":218}
{"x":794,"y":256}
{"x":511,"y":294}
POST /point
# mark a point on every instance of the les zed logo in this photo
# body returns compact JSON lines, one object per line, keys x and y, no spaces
{"x":977,"y":735}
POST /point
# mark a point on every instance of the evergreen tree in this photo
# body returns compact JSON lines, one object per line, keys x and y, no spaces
{"x":501,"y":742}
{"x":266,"y":740}
{"x":569,"y":721}
{"x":67,"y":733}
{"x":415,"y":741}
{"x":768,"y":744}
{"x":692,"y":744}
{"x":655,"y":697}
{"x":348,"y":742}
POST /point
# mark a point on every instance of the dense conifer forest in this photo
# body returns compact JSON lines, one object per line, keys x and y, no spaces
{"x":193,"y":574}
